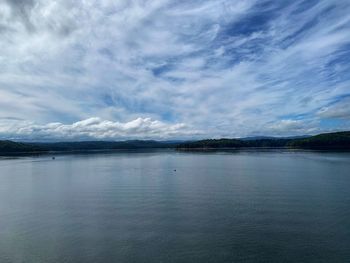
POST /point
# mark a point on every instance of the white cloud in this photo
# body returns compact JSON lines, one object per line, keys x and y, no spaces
{"x":339,"y":110}
{"x":293,"y":127}
{"x":95,"y":128}
{"x":212,"y":65}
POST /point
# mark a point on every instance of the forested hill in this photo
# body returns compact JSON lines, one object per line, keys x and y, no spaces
{"x":326,"y":141}
{"x":105,"y":145}
{"x":235,"y":143}
{"x":10,"y":147}
{"x":18,"y":147}
{"x":337,"y":140}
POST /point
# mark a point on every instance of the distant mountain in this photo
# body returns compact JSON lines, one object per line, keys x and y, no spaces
{"x":18,"y":147}
{"x":254,"y":138}
{"x":234,"y":143}
{"x":104,"y":145}
{"x":10,"y":147}
{"x":213,"y":143}
{"x":337,"y":140}
{"x":326,"y":141}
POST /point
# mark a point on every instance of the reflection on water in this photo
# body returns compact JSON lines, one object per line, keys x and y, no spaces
{"x":240,"y":206}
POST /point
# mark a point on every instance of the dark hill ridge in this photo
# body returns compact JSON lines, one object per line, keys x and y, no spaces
{"x":235,"y":143}
{"x":17,"y":147}
{"x":336,"y":140}
{"x":326,"y":141}
{"x":10,"y":147}
{"x":103,"y":145}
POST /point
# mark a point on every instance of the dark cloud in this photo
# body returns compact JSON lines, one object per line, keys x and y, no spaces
{"x":4,"y":28}
{"x":21,"y":9}
{"x":26,"y":12}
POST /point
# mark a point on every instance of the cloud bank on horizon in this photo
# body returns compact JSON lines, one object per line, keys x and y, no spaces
{"x":166,"y":69}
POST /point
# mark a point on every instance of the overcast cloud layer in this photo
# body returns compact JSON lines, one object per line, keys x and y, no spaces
{"x":161,"y":69}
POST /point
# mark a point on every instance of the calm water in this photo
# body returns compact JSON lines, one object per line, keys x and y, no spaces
{"x":216,"y":207}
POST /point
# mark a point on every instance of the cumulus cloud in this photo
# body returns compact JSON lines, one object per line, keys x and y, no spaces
{"x":95,"y":128}
{"x":229,"y":68}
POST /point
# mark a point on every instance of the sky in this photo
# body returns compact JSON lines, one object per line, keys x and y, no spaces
{"x":173,"y":69}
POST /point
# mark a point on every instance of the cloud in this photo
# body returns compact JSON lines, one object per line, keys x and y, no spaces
{"x":20,"y":9}
{"x":229,"y":68}
{"x":293,"y":127}
{"x":338,"y":110}
{"x":94,"y":129}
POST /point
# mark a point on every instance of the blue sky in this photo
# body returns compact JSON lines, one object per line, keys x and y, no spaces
{"x":161,"y":69}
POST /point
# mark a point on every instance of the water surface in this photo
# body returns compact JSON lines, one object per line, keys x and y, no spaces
{"x":243,"y":206}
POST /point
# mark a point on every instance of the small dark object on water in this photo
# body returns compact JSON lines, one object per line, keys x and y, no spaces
{"x":53,"y":158}
{"x":174,"y":170}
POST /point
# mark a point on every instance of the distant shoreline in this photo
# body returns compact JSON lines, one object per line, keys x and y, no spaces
{"x":339,"y":141}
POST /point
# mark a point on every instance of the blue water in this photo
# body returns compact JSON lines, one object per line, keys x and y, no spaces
{"x":240,"y":206}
